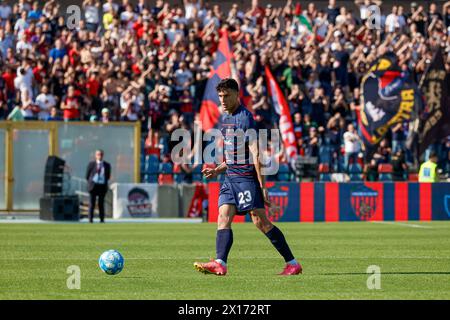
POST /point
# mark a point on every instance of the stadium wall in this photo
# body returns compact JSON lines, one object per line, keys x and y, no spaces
{"x":368,"y":201}
{"x":25,"y":146}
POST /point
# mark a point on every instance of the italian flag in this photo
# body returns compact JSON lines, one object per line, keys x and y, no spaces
{"x":304,"y":22}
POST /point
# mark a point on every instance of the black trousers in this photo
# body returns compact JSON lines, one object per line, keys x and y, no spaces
{"x":100,"y":192}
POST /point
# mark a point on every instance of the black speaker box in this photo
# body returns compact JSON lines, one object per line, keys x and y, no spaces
{"x":53,"y":176}
{"x":60,"y":208}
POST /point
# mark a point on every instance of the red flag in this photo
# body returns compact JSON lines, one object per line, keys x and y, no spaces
{"x":281,"y":107}
{"x":298,"y":9}
{"x":196,"y":205}
{"x":209,"y":110}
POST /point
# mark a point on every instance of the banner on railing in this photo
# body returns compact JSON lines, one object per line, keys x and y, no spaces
{"x":332,"y":202}
{"x":132,"y":200}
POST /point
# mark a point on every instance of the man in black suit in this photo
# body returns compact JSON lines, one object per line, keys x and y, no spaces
{"x":98,"y":174}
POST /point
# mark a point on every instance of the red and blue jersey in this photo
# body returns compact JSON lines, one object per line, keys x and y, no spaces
{"x":234,"y":128}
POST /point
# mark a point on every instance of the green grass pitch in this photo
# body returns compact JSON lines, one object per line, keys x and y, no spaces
{"x":414,"y":261}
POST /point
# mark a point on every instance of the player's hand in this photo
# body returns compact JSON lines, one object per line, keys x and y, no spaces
{"x":209,"y":173}
{"x":266,"y":197}
{"x":273,"y":208}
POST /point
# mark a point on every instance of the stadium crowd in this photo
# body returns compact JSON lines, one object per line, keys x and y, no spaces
{"x":150,"y":63}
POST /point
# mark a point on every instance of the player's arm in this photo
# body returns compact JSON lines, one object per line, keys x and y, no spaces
{"x":214,"y":172}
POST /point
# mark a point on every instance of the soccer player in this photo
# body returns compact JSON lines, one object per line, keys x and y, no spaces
{"x":243,"y":190}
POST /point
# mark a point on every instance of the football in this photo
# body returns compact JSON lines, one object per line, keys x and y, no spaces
{"x":111,"y":262}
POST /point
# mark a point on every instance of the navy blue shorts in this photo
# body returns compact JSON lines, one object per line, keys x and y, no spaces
{"x":246,"y":195}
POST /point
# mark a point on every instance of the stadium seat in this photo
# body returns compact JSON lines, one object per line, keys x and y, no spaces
{"x":153,"y":151}
{"x":324,"y":172}
{"x":385,"y":171}
{"x":413,"y":177}
{"x":178,"y":174}
{"x":151,"y":177}
{"x":165,"y":173}
{"x":324,"y":168}
{"x":164,"y":144}
{"x":284,"y":172}
{"x":355,"y":168}
{"x":197,"y":174}
{"x":142,"y":167}
{"x":355,"y":172}
{"x":151,"y":169}
{"x":165,"y":178}
{"x":324,"y":154}
{"x":166,"y":168}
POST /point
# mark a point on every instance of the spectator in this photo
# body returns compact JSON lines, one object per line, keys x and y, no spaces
{"x":383,"y":153}
{"x":21,"y":24}
{"x":16,"y":114}
{"x":54,"y":115}
{"x":352,"y":146}
{"x":92,"y":14}
{"x":23,"y":44}
{"x":58,"y":52}
{"x":308,"y":124}
{"x":183,"y":78}
{"x":28,"y":108}
{"x":24,"y":81}
{"x":332,"y":11}
{"x":298,"y":125}
{"x":35,"y":13}
{"x":341,"y":58}
{"x":312,"y":143}
{"x":45,"y":101}
{"x":428,"y":170}
{"x":398,"y":136}
{"x":371,"y":171}
{"x":5,"y":11}
{"x":6,"y":42}
{"x":3,"y":110}
{"x":71,"y":105}
{"x":333,"y":139}
{"x":399,"y":166}
{"x":105,"y":115}
{"x":171,"y":125}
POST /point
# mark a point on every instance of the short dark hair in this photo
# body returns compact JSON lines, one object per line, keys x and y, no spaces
{"x":433,"y":154}
{"x":227,"y":83}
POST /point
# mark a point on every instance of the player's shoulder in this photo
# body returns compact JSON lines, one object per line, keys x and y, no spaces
{"x":244,"y":113}
{"x":243,"y":110}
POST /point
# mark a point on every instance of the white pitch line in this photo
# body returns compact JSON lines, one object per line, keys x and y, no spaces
{"x":109,"y":221}
{"x":395,"y":223}
{"x":236,"y":258}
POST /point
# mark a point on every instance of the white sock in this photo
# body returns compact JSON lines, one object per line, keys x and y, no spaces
{"x":293,"y":262}
{"x":221,"y":262}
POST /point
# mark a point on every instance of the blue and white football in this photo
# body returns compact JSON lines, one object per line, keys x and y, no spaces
{"x":111,"y":262}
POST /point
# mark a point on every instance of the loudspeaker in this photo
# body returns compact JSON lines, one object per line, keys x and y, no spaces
{"x":60,"y":208}
{"x":53,"y":177}
{"x":55,"y":165}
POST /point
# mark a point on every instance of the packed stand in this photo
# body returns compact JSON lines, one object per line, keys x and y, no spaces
{"x":150,"y":63}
